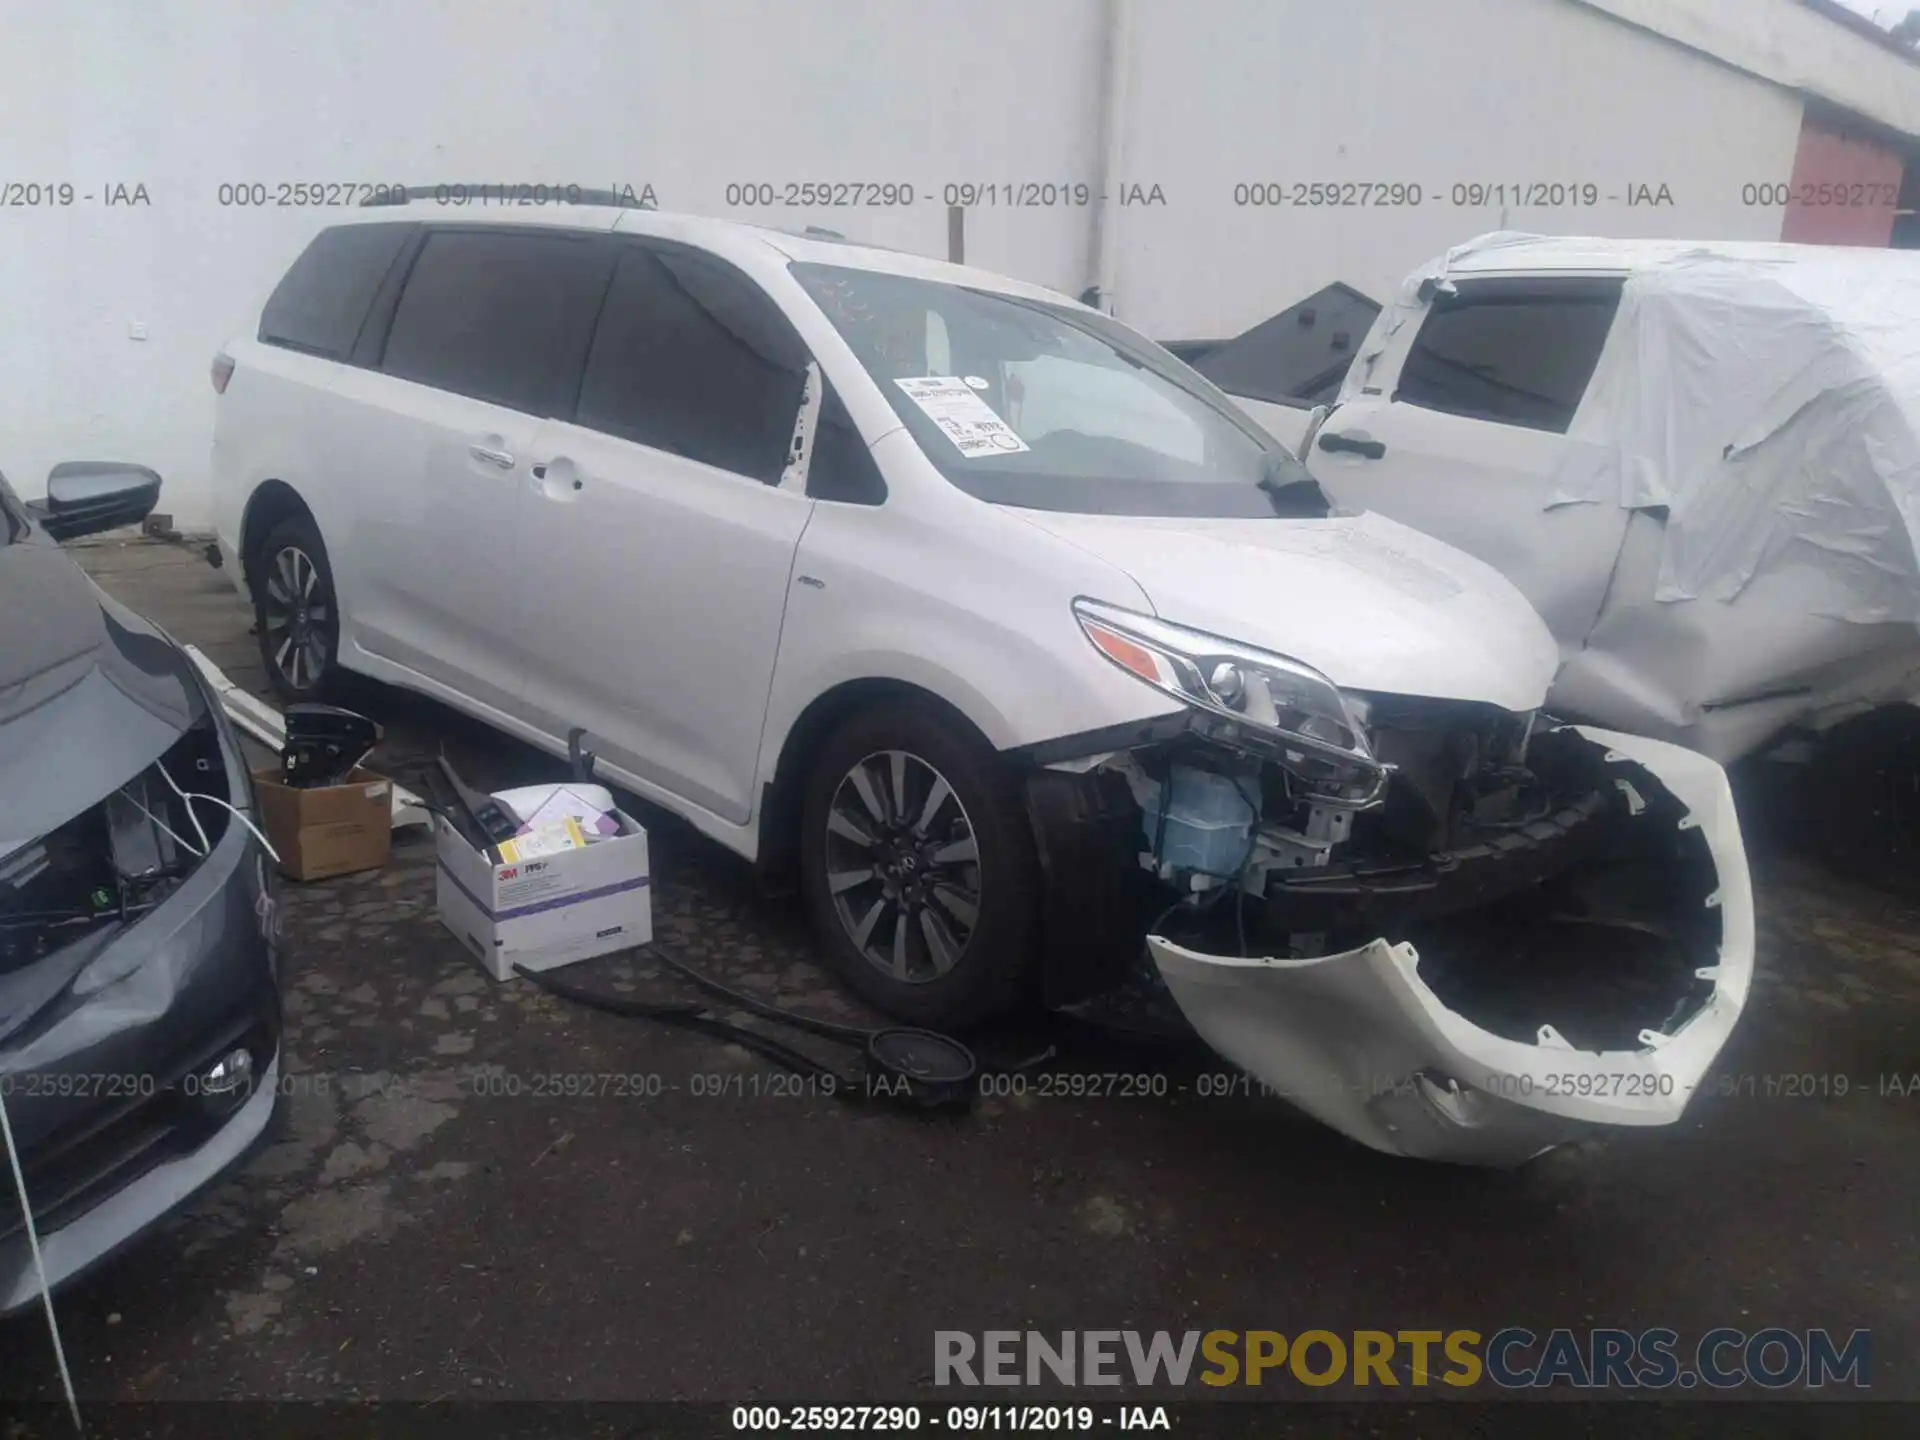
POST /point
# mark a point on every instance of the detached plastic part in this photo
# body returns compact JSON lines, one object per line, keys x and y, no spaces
{"x":263,"y":723}
{"x":937,"y":1070}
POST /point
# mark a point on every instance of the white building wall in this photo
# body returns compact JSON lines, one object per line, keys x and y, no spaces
{"x":182,"y":96}
{"x":1793,"y":46}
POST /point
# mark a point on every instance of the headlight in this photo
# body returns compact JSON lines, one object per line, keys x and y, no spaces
{"x":1252,"y":699}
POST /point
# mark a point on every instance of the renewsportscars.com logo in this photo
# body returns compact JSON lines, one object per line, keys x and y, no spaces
{"x":1513,"y":1358}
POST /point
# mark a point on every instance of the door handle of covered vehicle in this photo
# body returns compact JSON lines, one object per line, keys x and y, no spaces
{"x":1354,"y":445}
{"x":493,"y":457}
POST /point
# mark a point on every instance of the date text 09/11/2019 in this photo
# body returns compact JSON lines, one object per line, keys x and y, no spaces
{"x":903,"y":194}
{"x":496,"y":1084}
{"x":342,"y":194}
{"x":1465,"y":195}
{"x":63,"y":194}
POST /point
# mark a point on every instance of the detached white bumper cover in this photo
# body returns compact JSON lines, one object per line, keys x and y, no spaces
{"x":1360,"y":1042}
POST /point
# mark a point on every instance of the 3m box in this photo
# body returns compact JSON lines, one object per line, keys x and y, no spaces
{"x":330,"y":829}
{"x":547,"y":912}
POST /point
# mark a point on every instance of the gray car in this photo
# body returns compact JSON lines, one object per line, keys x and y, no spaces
{"x":139,"y":991}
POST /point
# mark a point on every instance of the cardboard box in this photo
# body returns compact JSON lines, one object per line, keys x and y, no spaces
{"x":330,"y":830}
{"x":546,"y":912}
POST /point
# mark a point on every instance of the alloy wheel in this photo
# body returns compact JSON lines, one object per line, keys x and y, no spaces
{"x":903,"y":866}
{"x":296,"y":611}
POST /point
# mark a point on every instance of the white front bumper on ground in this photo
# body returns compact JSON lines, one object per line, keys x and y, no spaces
{"x":1360,"y":1042}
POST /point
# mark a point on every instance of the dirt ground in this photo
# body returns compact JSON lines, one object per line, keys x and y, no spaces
{"x":421,"y":1232}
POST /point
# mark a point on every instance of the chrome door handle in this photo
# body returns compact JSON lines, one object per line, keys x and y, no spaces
{"x":492,"y":457}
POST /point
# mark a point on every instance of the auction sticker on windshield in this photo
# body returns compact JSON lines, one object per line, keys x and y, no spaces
{"x":963,"y":417}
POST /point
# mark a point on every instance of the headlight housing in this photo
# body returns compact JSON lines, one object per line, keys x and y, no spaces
{"x":1249,"y":698}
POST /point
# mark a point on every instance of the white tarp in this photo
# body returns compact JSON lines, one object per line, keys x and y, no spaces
{"x":1768,"y":396}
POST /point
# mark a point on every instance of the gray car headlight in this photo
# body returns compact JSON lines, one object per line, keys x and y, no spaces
{"x":1246,"y":697}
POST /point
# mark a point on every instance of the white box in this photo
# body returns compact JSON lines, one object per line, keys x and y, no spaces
{"x":548,"y":912}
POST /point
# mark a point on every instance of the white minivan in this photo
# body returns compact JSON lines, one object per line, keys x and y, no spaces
{"x":1000,"y":632}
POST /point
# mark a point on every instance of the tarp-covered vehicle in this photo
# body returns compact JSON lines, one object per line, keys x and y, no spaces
{"x":1700,"y":462}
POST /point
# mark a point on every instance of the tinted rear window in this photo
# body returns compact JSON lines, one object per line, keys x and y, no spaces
{"x":500,"y":316}
{"x":321,"y":302}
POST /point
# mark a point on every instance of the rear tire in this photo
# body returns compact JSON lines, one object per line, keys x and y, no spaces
{"x":295,"y":611}
{"x":927,"y":903}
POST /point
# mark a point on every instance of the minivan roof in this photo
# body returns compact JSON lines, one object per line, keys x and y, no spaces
{"x":733,"y":238}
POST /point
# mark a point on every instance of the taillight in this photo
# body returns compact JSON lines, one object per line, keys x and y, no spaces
{"x":222,"y":372}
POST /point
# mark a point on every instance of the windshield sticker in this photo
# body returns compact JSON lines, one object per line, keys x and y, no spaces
{"x":976,"y":382}
{"x":963,"y":417}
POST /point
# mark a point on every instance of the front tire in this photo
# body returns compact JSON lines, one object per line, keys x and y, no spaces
{"x":296,"y":613}
{"x":919,"y":868}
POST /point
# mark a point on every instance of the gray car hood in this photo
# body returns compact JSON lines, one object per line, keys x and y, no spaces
{"x":90,"y":693}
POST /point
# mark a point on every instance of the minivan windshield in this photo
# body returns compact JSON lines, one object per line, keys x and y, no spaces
{"x":1021,"y":402}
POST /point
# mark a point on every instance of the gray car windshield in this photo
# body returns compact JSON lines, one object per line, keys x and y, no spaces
{"x":13,"y":515}
{"x":1021,"y":402}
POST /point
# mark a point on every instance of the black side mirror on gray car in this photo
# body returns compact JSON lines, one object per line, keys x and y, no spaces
{"x":85,"y":497}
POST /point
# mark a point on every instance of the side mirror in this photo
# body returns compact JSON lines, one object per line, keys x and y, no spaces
{"x":85,"y":497}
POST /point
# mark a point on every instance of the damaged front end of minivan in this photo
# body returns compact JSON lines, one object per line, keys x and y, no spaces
{"x":1445,"y":929}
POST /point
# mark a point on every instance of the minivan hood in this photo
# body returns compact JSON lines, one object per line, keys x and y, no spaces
{"x":90,"y":693}
{"x":1371,"y":604}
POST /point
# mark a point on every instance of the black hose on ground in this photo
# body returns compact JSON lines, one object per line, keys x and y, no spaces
{"x":760,"y":1007}
{"x":931,"y":1069}
{"x":689,"y":1017}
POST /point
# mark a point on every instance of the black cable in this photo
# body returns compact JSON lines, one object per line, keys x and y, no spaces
{"x":699,"y":1019}
{"x":48,"y":917}
{"x":689,"y":1017}
{"x":760,"y":1007}
{"x":432,"y":783}
{"x":693,"y":1017}
{"x":1160,"y":919}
